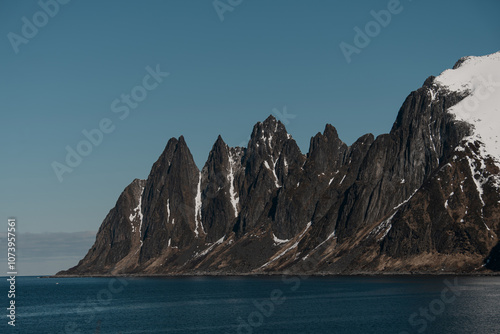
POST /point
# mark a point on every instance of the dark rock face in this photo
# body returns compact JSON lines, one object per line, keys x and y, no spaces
{"x":169,"y":201}
{"x":417,"y":199}
{"x":118,"y":235}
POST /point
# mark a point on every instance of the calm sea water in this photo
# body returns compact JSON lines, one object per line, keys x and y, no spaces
{"x":256,"y":305}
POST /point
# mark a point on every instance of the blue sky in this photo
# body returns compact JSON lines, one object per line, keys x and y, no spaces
{"x":224,"y":76}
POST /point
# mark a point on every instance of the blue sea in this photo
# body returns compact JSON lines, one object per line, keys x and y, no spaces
{"x":255,"y":305}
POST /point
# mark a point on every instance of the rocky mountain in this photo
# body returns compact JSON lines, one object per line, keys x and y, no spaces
{"x":423,"y":198}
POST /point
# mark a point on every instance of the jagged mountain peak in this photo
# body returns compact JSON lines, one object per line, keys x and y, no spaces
{"x":219,"y":140}
{"x":176,"y":152}
{"x":466,"y":59}
{"x":269,"y":128}
{"x":267,"y":142}
{"x":270,"y":120}
{"x":471,"y":73}
{"x":165,"y":158}
{"x":182,"y":141}
{"x":174,"y":146}
{"x":219,"y":145}
{"x":138,"y":181}
{"x":330,"y":132}
{"x":429,"y":82}
{"x":326,"y":151}
{"x":460,"y":62}
{"x":417,"y":199}
{"x":182,"y":147}
{"x":218,"y":161}
{"x":329,"y":135}
{"x":223,"y":154}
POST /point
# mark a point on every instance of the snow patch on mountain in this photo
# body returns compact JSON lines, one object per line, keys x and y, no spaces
{"x":479,"y":78}
{"x":278,"y":241}
{"x":168,"y":209}
{"x":206,"y":251}
{"x":197,"y":213}
{"x":331,"y":236}
{"x":137,"y":213}
{"x":232,"y":193}
{"x":295,"y":245}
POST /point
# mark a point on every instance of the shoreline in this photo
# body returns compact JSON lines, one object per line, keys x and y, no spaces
{"x":278,"y":274}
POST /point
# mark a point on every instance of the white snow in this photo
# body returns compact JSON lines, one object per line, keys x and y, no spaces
{"x":197,"y":212}
{"x":447,"y":165}
{"x":274,"y":173}
{"x":168,"y":209}
{"x":138,"y":213}
{"x":432,"y":142}
{"x":232,"y":193}
{"x":333,"y":178}
{"x":433,"y":94}
{"x":279,"y":241}
{"x":289,"y":248}
{"x":406,"y":201}
{"x":385,"y":226}
{"x":281,"y":254}
{"x":342,"y":179}
{"x":266,"y":164}
{"x":479,"y":77}
{"x":332,"y":235}
{"x":385,"y":233}
{"x":479,"y":181}
{"x":205,"y":252}
{"x":446,"y":203}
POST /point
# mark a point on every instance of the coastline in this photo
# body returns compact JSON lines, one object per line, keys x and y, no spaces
{"x":278,"y":274}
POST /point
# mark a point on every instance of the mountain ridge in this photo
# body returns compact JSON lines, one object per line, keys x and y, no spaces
{"x":422,"y":198}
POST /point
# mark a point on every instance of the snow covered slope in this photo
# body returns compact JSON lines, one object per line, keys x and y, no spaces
{"x":479,"y":78}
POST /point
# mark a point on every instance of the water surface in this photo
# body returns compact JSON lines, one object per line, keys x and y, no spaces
{"x":256,"y":305}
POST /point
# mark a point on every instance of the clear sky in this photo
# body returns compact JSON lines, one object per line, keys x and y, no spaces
{"x":224,"y":76}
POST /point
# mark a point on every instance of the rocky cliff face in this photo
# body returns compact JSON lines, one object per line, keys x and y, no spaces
{"x":423,"y":198}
